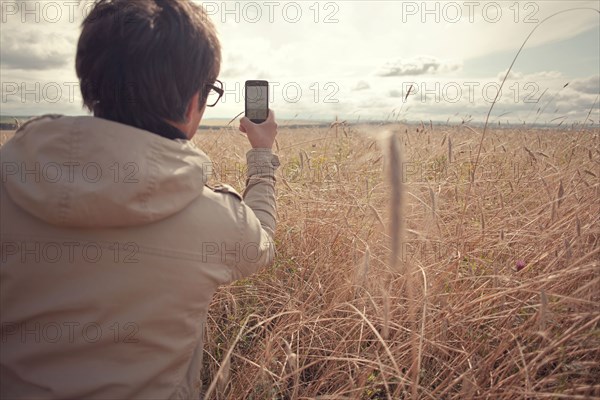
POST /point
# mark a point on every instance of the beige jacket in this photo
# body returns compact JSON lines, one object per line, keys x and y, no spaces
{"x":112,"y":248}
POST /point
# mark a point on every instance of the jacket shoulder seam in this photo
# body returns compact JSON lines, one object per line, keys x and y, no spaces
{"x":227,"y":189}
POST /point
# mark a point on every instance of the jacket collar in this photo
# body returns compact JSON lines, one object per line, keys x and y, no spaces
{"x":158,"y":127}
{"x":168,"y":131}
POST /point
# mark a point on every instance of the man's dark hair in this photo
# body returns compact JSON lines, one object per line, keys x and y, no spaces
{"x":140,"y":62}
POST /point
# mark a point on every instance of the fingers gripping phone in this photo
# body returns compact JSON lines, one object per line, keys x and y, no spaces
{"x":257,"y":101}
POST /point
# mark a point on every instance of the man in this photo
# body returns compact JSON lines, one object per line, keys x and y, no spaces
{"x":112,"y":245}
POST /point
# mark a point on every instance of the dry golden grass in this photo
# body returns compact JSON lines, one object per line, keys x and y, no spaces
{"x":459,"y":317}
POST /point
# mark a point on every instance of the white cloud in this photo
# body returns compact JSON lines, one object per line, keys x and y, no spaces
{"x":34,"y":49}
{"x":420,"y":65}
{"x":589,"y":85}
{"x":512,"y":75}
{"x":361,"y":85}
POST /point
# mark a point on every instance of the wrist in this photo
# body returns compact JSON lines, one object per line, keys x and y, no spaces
{"x":262,"y":161}
{"x":261,"y":145}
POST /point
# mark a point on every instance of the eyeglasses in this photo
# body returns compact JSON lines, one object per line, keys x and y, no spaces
{"x":213,"y":93}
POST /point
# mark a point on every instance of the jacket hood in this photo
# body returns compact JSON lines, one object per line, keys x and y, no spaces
{"x":90,"y":172}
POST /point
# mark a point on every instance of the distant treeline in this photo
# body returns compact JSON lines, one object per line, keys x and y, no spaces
{"x":7,"y":126}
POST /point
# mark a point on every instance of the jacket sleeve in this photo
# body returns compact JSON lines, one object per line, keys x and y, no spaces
{"x":258,"y":248}
{"x":260,"y":187}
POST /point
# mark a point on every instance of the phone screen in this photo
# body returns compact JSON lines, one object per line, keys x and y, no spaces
{"x":257,"y":101}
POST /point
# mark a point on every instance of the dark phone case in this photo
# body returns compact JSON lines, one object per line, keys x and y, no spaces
{"x":256,"y":83}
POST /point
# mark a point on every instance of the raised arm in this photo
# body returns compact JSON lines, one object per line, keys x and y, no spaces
{"x":259,"y":194}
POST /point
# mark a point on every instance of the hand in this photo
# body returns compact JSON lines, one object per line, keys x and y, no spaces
{"x":260,"y":136}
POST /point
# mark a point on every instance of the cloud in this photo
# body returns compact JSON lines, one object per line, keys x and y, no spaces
{"x":589,"y":85}
{"x":395,"y":93}
{"x":34,"y":50}
{"x":573,"y":100}
{"x":362,"y":85}
{"x":512,"y":75}
{"x":421,"y":65}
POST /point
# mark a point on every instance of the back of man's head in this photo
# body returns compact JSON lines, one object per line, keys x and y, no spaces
{"x":140,"y":62}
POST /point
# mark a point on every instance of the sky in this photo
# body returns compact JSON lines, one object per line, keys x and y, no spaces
{"x":354,"y":60}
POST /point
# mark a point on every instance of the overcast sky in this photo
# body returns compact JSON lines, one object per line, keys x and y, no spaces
{"x":353,"y":59}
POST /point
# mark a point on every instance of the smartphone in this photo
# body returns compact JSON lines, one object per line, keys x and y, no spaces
{"x":257,"y":101}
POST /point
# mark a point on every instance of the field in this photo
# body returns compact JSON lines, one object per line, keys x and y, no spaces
{"x":495,"y":292}
{"x":417,"y":262}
